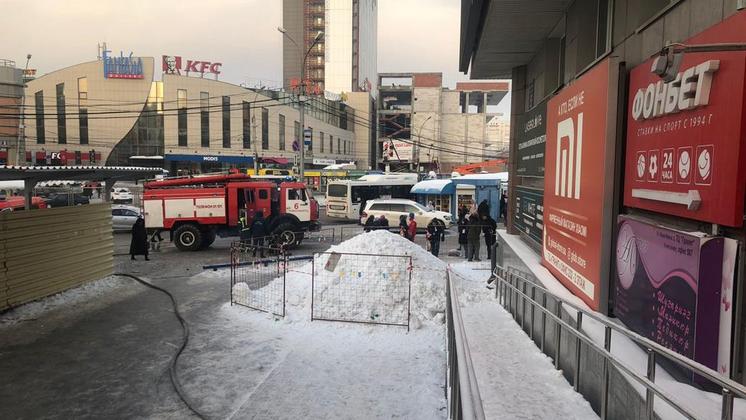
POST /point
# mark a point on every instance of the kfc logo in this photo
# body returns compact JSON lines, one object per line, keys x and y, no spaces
{"x":172,"y":64}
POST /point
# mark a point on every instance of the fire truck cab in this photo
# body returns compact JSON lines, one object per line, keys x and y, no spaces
{"x":196,"y":209}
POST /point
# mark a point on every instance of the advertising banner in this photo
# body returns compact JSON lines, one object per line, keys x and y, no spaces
{"x":578,"y":183}
{"x":686,"y":139}
{"x":528,"y":216}
{"x":676,"y":289}
{"x":530,"y":138}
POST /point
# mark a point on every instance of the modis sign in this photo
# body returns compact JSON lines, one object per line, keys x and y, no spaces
{"x":685,"y":139}
{"x":578,"y":183}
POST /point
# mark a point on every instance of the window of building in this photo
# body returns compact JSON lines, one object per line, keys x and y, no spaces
{"x":321,"y":140}
{"x":339,"y":145}
{"x":40,"y":130}
{"x":181,"y":115}
{"x":265,"y":129}
{"x":83,"y":109}
{"x":246,"y":123}
{"x":61,"y":116}
{"x":296,"y":133}
{"x":226,"y":122}
{"x":310,"y":145}
{"x":331,"y":143}
{"x":281,"y":134}
{"x":204,"y":118}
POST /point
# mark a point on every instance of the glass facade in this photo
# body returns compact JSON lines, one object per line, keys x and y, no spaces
{"x":181,"y":115}
{"x":146,"y":138}
{"x":83,"y":109}
{"x":226,"y":122}
{"x":281,"y":133}
{"x":204,"y":117}
{"x":351,"y":46}
{"x":265,"y":129}
{"x":246,"y":124}
{"x":61,"y":115}
{"x":40,"y":130}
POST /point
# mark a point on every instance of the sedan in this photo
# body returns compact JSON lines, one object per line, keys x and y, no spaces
{"x":123,"y":217}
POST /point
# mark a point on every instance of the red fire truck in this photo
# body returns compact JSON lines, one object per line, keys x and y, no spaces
{"x":197,"y":208}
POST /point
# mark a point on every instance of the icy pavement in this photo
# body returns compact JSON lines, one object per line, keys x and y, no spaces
{"x":516,"y":380}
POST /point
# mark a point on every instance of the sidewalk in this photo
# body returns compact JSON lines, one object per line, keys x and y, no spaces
{"x":516,"y":380}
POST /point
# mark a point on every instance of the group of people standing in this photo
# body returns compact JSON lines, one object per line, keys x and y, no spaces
{"x":472,"y":225}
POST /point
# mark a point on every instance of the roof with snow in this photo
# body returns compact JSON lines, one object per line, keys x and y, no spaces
{"x":73,"y":173}
{"x":434,"y":187}
{"x":502,"y":176}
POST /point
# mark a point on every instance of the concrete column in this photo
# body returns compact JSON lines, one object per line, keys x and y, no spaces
{"x":517,"y":107}
{"x":28,"y":192}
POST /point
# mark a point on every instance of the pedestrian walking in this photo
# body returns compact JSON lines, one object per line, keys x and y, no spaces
{"x":504,"y":208}
{"x":434,"y":236}
{"x":369,"y":223}
{"x":411,"y":227}
{"x":139,"y":241}
{"x":258,"y":233}
{"x":472,"y":238}
{"x":489,"y":229}
{"x":462,"y":229}
{"x":403,"y":226}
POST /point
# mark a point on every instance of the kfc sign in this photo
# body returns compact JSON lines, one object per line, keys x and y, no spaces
{"x":686,"y":139}
{"x":173,"y":64}
{"x":578,"y":183}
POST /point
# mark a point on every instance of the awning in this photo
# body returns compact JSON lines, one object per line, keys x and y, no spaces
{"x":275,"y":160}
{"x":247,"y":160}
{"x":434,"y":187}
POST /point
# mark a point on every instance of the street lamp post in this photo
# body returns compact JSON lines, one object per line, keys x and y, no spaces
{"x":419,"y":141}
{"x":301,"y":98}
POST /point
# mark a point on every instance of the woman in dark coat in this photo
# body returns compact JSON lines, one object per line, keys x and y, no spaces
{"x":403,"y":226}
{"x":139,"y":242}
{"x":462,"y":229}
{"x":370,"y":223}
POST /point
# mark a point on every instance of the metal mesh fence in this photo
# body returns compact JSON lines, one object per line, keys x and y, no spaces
{"x":361,"y":288}
{"x":258,"y":282}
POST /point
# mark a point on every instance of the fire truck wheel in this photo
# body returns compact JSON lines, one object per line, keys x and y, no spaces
{"x":188,"y":238}
{"x":286,"y":234}
{"x":208,"y":237}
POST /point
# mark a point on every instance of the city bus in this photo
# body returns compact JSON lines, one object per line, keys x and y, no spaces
{"x":346,"y":199}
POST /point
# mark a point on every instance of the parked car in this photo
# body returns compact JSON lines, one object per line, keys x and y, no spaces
{"x":121,"y":195}
{"x":64,"y":200}
{"x":15,"y":203}
{"x":123,"y":217}
{"x":393,"y":208}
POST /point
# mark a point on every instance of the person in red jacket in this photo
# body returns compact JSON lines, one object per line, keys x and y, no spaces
{"x":411,"y":227}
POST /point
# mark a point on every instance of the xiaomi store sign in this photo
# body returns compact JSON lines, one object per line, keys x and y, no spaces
{"x":578,"y":183}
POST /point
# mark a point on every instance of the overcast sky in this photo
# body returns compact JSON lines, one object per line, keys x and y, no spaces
{"x":413,"y":35}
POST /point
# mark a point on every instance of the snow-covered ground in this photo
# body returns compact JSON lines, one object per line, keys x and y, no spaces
{"x":326,"y":369}
{"x":516,"y":380}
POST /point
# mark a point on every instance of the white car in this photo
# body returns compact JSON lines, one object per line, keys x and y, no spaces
{"x":123,"y":217}
{"x":121,"y":195}
{"x":393,"y":208}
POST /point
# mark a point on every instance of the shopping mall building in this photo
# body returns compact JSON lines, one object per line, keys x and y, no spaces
{"x":113,"y":111}
{"x":628,"y":177}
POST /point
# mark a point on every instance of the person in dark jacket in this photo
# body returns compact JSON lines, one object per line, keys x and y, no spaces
{"x":462,"y":229}
{"x":382,"y":223}
{"x":504,"y":208}
{"x":403,"y":226}
{"x":435,"y":235}
{"x":472,"y":238}
{"x":483,"y":209}
{"x":139,"y":242}
{"x":258,"y":233}
{"x":489,"y":229}
{"x":244,"y":230}
{"x":370,"y":223}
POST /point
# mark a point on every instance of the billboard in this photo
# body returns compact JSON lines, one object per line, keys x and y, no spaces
{"x":174,"y":64}
{"x":578,"y":183}
{"x":122,"y":67}
{"x":676,"y":288}
{"x":530,"y":138}
{"x":686,"y":141}
{"x":528,"y":216}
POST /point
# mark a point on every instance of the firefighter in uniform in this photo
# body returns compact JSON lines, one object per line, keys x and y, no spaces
{"x":245,"y":230}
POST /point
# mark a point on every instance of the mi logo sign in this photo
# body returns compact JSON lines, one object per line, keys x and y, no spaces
{"x":569,"y":158}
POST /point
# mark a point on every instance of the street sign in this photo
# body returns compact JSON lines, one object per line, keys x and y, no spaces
{"x":307,"y":133}
{"x":296,"y":145}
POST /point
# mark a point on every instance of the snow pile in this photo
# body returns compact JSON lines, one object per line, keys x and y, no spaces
{"x":367,"y":288}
